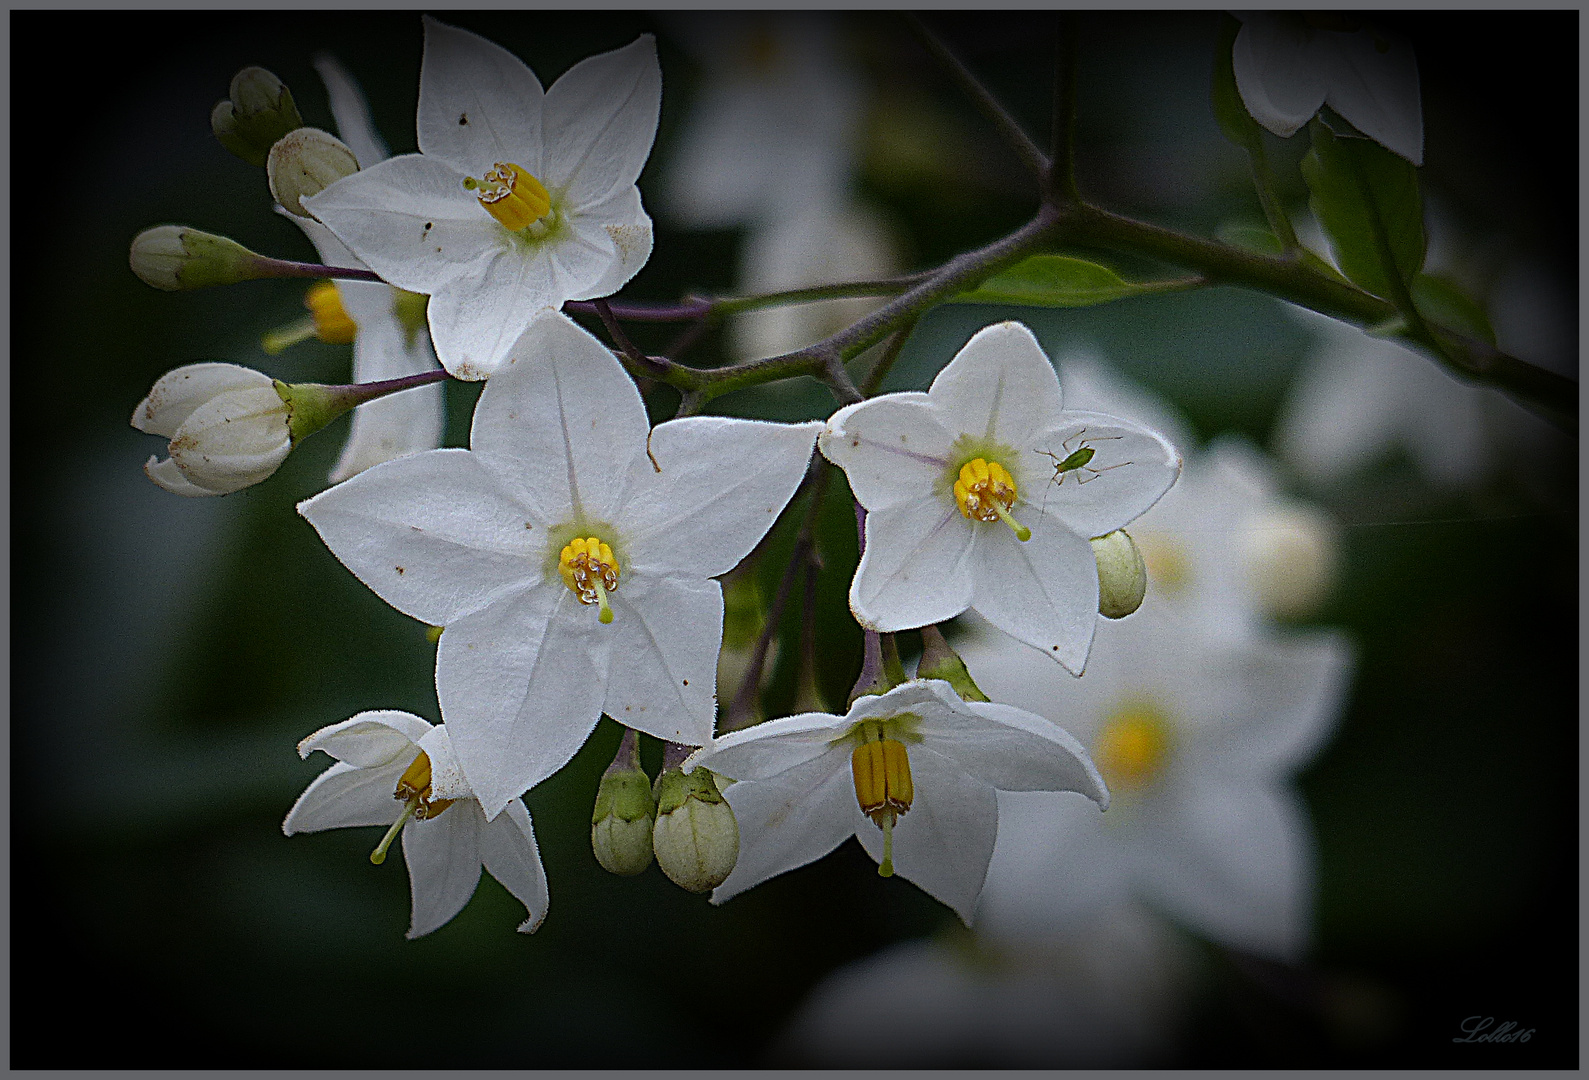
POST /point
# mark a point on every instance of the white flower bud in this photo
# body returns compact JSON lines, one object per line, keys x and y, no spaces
{"x":175,"y":257}
{"x":620,"y":824}
{"x":227,"y":424}
{"x":1291,"y":559}
{"x":696,"y":838}
{"x":1122,"y":577}
{"x":305,"y":163}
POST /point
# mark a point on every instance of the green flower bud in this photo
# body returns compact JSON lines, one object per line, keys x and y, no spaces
{"x":696,"y":838}
{"x":175,"y":257}
{"x":1122,"y":577}
{"x":620,"y":824}
{"x":305,"y":163}
{"x":939,"y":661}
{"x":259,"y":112}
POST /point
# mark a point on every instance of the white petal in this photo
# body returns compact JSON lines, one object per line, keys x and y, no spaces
{"x":1341,"y":413}
{"x":666,"y":633}
{"x":476,"y":316}
{"x":1280,"y":72}
{"x":164,"y":472}
{"x":176,"y":394}
{"x":521,"y":684}
{"x":510,"y":854}
{"x":1377,"y":92}
{"x":443,"y":857}
{"x":1011,"y":749}
{"x":1235,"y":863}
{"x":1053,"y":867}
{"x":601,"y":117}
{"x":914,"y":570}
{"x":1281,"y":698}
{"x":433,"y":534}
{"x":1043,"y":592}
{"x":403,"y":423}
{"x":351,"y":112}
{"x":347,"y":796}
{"x":999,"y":386}
{"x":944,"y":842}
{"x":1131,"y":467}
{"x":410,"y":220}
{"x":234,"y":440}
{"x":790,"y":820}
{"x":764,"y":751}
{"x":478,"y":103}
{"x":447,"y":780}
{"x":370,"y":739}
{"x":892,"y":448}
{"x":563,"y":422}
{"x":717,"y":485}
{"x":628,"y":226}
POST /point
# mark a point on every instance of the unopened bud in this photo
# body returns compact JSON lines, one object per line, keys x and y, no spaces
{"x":620,"y":825}
{"x":939,"y":661}
{"x":1122,"y":577}
{"x":227,"y":425}
{"x":175,"y":257}
{"x":1291,"y":557}
{"x":696,"y":838}
{"x":259,"y":112}
{"x":305,"y":163}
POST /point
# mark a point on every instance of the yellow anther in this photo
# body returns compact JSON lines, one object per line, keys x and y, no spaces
{"x":413,"y":787}
{"x":883,"y":786}
{"x":327,"y":320}
{"x":985,"y":492}
{"x":511,"y":195}
{"x":590,"y":570}
{"x":1132,"y":747}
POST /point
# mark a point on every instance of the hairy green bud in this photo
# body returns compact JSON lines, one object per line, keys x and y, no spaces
{"x":259,"y":112}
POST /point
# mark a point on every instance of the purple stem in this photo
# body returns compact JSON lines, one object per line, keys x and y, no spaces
{"x":285,"y":268}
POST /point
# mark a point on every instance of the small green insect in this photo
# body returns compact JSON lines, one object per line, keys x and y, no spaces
{"x":1077,"y":462}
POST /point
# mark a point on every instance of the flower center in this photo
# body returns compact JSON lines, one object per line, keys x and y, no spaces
{"x":590,"y":569}
{"x":1165,"y":558}
{"x":327,"y":320}
{"x":511,"y":195}
{"x":413,"y":789}
{"x":883,"y":787}
{"x":1133,"y":747}
{"x":985,"y":491}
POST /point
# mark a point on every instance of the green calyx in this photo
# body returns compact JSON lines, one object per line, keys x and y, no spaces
{"x":259,"y":112}
{"x":675,"y":786}
{"x":625,"y":795}
{"x":939,"y":661}
{"x":176,"y":258}
{"x":311,"y":406}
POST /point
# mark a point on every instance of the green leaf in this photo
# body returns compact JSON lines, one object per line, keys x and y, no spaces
{"x":1231,"y":112}
{"x":1368,"y":202}
{"x":1442,"y":301}
{"x":1058,"y":281}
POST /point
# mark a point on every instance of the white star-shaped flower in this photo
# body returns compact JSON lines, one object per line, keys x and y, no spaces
{"x":395,"y":769}
{"x":1198,"y":739}
{"x":517,"y":201}
{"x":983,"y":492}
{"x":568,"y":553}
{"x":1288,"y":65}
{"x":390,"y":341}
{"x":911,"y":773}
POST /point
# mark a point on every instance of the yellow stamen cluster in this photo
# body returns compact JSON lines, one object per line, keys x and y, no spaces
{"x":1133,"y":747}
{"x":883,"y":787}
{"x":985,"y":491}
{"x":413,"y":789}
{"x":331,"y":322}
{"x":590,"y":569}
{"x":511,"y":195}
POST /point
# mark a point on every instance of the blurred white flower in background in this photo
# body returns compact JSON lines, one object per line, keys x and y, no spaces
{"x":1105,"y":992}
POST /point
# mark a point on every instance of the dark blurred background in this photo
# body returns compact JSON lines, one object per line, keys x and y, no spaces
{"x":167,"y":654}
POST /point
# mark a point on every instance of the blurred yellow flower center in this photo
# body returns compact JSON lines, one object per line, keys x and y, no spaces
{"x":1132,"y":748}
{"x":413,"y":789}
{"x":1166,"y":561}
{"x":883,"y":788}
{"x":327,"y":320}
{"x":985,"y":491}
{"x":590,"y":569}
{"x":511,"y":195}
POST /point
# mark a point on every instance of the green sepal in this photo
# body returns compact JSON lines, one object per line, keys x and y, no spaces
{"x":939,"y":661}
{"x":1058,"y":281}
{"x":675,"y":785}
{"x":1368,"y":201}
{"x":625,"y":795}
{"x":311,"y":406}
{"x":259,"y":111}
